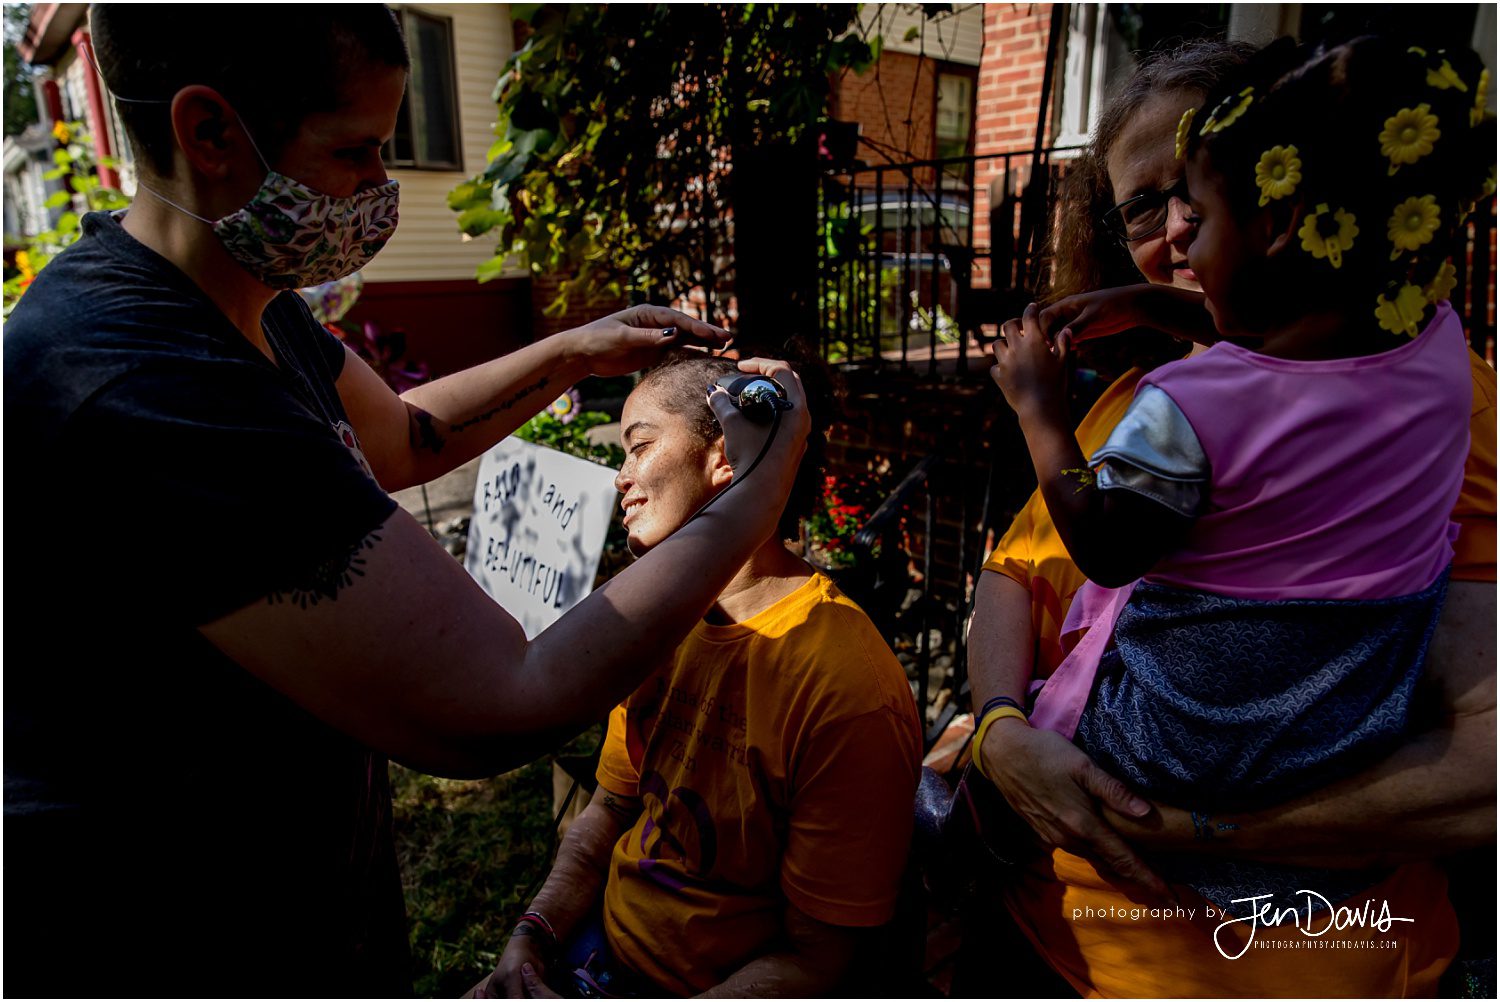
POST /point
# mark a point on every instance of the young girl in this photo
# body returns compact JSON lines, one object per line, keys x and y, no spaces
{"x":1285,"y":496}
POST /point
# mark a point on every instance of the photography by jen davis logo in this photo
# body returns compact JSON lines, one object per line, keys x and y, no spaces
{"x":1311,"y":926}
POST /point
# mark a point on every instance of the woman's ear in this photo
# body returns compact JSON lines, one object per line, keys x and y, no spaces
{"x":720,"y":473}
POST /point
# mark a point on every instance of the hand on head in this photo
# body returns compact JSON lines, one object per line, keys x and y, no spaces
{"x":634,"y":339}
{"x":744,"y":438}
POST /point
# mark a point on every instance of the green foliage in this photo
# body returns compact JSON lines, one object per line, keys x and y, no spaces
{"x":854,"y":302}
{"x":572,"y":437}
{"x":617,"y":129}
{"x":20,"y":94}
{"x":77,"y":168}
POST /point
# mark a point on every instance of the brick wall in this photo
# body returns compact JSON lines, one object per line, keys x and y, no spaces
{"x":1006,"y":102}
{"x":581,"y":309}
{"x":894,"y":103}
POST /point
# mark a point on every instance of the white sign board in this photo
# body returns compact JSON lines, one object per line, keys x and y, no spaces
{"x":538,"y":529}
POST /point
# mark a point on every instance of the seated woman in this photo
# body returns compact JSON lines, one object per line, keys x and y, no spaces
{"x":754,"y":808}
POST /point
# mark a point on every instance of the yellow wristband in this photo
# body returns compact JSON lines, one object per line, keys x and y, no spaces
{"x":984,"y":728}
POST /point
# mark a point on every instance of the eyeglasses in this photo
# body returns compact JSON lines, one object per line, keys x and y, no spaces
{"x":1139,"y":217}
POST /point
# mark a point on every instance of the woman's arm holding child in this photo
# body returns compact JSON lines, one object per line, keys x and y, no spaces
{"x":1113,"y":536}
{"x":1435,"y":794}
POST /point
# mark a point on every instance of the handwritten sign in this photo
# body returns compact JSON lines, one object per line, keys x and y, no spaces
{"x":538,"y":529}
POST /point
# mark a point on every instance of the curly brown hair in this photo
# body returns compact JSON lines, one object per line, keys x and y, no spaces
{"x":1085,"y":255}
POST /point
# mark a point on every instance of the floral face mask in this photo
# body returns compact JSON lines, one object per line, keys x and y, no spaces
{"x":290,"y":236}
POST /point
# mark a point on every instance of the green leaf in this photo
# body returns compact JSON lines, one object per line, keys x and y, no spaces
{"x":481,"y":219}
{"x":515,"y":163}
{"x":58,"y":199}
{"x":468,"y":194}
{"x":493,"y":268}
{"x":57,"y":172}
{"x":61,"y":158}
{"x":912,"y":33}
{"x":67,"y":223}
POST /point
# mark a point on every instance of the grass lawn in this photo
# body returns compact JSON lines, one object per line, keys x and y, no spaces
{"x":470,"y":850}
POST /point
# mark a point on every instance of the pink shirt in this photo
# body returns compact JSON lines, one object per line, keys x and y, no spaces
{"x":1331,"y":479}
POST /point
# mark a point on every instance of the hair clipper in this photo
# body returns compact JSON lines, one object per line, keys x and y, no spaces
{"x":757,"y":397}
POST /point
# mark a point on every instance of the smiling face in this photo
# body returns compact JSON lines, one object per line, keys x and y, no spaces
{"x":1142,"y":161}
{"x":669,"y":471}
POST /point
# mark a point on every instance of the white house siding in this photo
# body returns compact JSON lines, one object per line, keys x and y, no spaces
{"x":427,"y":245}
{"x":957,"y":37}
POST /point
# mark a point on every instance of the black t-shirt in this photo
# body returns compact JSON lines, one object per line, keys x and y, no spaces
{"x":173,"y":825}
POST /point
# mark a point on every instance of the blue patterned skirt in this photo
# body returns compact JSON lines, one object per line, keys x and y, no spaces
{"x":1226,"y":705}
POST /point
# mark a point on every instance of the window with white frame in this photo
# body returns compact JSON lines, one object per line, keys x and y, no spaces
{"x":427,"y":129}
{"x":1084,"y":70}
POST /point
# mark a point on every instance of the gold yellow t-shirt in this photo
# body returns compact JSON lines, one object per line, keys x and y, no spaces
{"x":777,"y":761}
{"x":1074,"y":916}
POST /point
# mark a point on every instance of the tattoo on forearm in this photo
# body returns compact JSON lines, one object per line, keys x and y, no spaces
{"x":504,"y":405}
{"x":424,"y":433}
{"x":328,"y":578}
{"x":625,"y":811}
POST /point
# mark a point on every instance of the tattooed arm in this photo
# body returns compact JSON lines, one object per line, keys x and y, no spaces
{"x":406,"y":654}
{"x":574,"y":885}
{"x":441,"y":425}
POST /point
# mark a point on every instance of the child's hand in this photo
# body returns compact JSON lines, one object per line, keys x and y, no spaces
{"x":1031,"y":372}
{"x":1178,"y":312}
{"x":1099,"y":314}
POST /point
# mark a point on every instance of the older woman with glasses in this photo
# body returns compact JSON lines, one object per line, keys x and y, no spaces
{"x":1086,"y":905}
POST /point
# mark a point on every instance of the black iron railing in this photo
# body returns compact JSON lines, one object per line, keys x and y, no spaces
{"x":911,"y":609}
{"x":1474,"y":297}
{"x":908,"y":275}
{"x":916,"y":257}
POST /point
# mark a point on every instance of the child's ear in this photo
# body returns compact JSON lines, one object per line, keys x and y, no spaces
{"x":1284,"y":220}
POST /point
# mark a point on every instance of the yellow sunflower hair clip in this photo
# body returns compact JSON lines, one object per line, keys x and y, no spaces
{"x":1442,"y":284}
{"x":1228,"y":111}
{"x":1412,"y":224}
{"x":1184,"y":129}
{"x":1443,"y":75}
{"x":1408,"y":136}
{"x":1277,"y":173}
{"x":1403,"y":314}
{"x":1326,"y":234}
